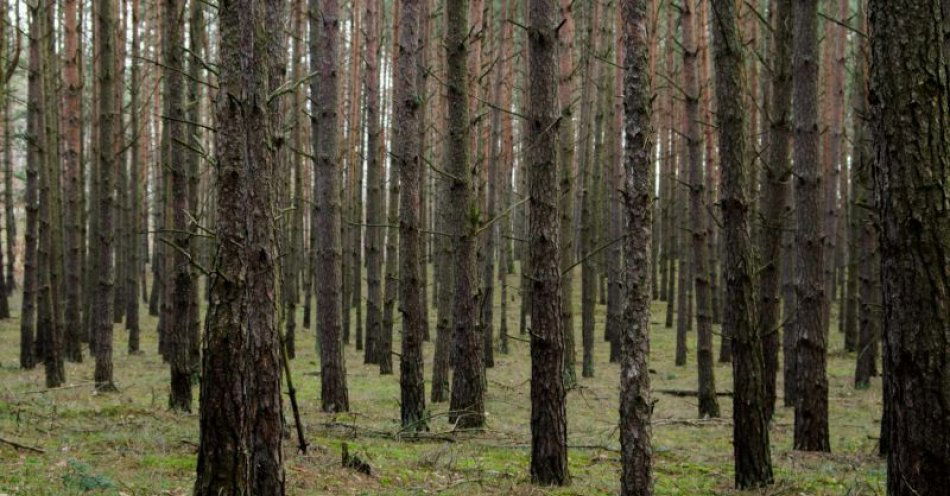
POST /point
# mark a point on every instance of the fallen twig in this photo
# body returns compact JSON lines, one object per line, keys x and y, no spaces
{"x":688,"y":392}
{"x":22,"y":446}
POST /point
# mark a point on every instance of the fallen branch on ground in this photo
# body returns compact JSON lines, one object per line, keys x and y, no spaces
{"x":22,"y":446}
{"x":688,"y":392}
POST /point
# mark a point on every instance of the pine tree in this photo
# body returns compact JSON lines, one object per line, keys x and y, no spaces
{"x":468,"y":385}
{"x":750,"y":422}
{"x":636,"y":450}
{"x":240,"y":448}
{"x":324,"y":52}
{"x":548,"y":396}
{"x":811,"y":382}
{"x":908,"y":91}
{"x":408,"y":111}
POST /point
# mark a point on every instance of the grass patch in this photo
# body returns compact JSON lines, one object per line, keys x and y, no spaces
{"x":130,"y":443}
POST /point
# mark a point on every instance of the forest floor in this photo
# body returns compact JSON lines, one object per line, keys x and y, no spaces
{"x":129,"y":443}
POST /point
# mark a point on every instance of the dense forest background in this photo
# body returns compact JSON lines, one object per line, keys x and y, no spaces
{"x":474,"y":247}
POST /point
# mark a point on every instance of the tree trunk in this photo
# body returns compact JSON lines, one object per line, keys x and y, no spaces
{"x":750,"y":422}
{"x":375,"y":200}
{"x":355,"y":160}
{"x":72,"y":155}
{"x":774,"y":193}
{"x":708,"y":407}
{"x":384,"y":349}
{"x":49,"y":328}
{"x":636,"y":450}
{"x":8,"y":207}
{"x":139,"y":137}
{"x":239,"y":453}
{"x":811,"y":405}
{"x":468,"y":384}
{"x":548,"y":405}
{"x":407,"y":110}
{"x":862,"y":325}
{"x":28,"y":351}
{"x":181,"y":287}
{"x":102,"y":307}
{"x":615,"y":215}
{"x":684,"y":297}
{"x":565,"y":159}
{"x":324,"y":50}
{"x":583,"y":231}
{"x":444,"y":248}
{"x":909,"y":88}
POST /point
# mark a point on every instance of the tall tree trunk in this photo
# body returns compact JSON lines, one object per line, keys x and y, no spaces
{"x":193,"y":136}
{"x":139,"y":136}
{"x":684,"y":296}
{"x":669,"y":137}
{"x":444,"y":256}
{"x":708,"y":406}
{"x":774,"y":193}
{"x":468,"y":384}
{"x":493,"y":181}
{"x":789,"y":302}
{"x":28,"y":351}
{"x":102,"y":307}
{"x":408,"y":111}
{"x":375,"y":199}
{"x":565,"y":159}
{"x":297,"y":257}
{"x":240,"y":451}
{"x":355,"y":160}
{"x":49,"y":310}
{"x":750,"y":423}
{"x":180,"y":276}
{"x":615,"y":216}
{"x":548,"y":397}
{"x":8,"y":207}
{"x":385,"y":344}
{"x":72,"y":155}
{"x":865,"y":260}
{"x":324,"y":50}
{"x":909,"y":87}
{"x":831,"y":154}
{"x":636,"y":450}
{"x":811,"y":398}
{"x":583,"y":231}
{"x":120,"y":204}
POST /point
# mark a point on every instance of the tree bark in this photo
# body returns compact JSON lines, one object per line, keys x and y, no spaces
{"x":324,"y":50}
{"x":72,"y":155}
{"x":636,"y":450}
{"x":708,"y":406}
{"x":565,"y":159}
{"x":774,"y":195}
{"x":28,"y":351}
{"x":908,"y":90}
{"x":468,"y":384}
{"x":811,"y":399}
{"x":239,"y":452}
{"x":548,"y":397}
{"x":49,"y":310}
{"x":139,"y":137}
{"x":408,"y":111}
{"x":102,"y":307}
{"x":750,"y":422}
{"x":8,"y":207}
{"x":179,"y":292}
{"x":375,"y":200}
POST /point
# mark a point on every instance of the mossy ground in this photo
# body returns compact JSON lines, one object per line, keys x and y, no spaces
{"x":129,"y":443}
